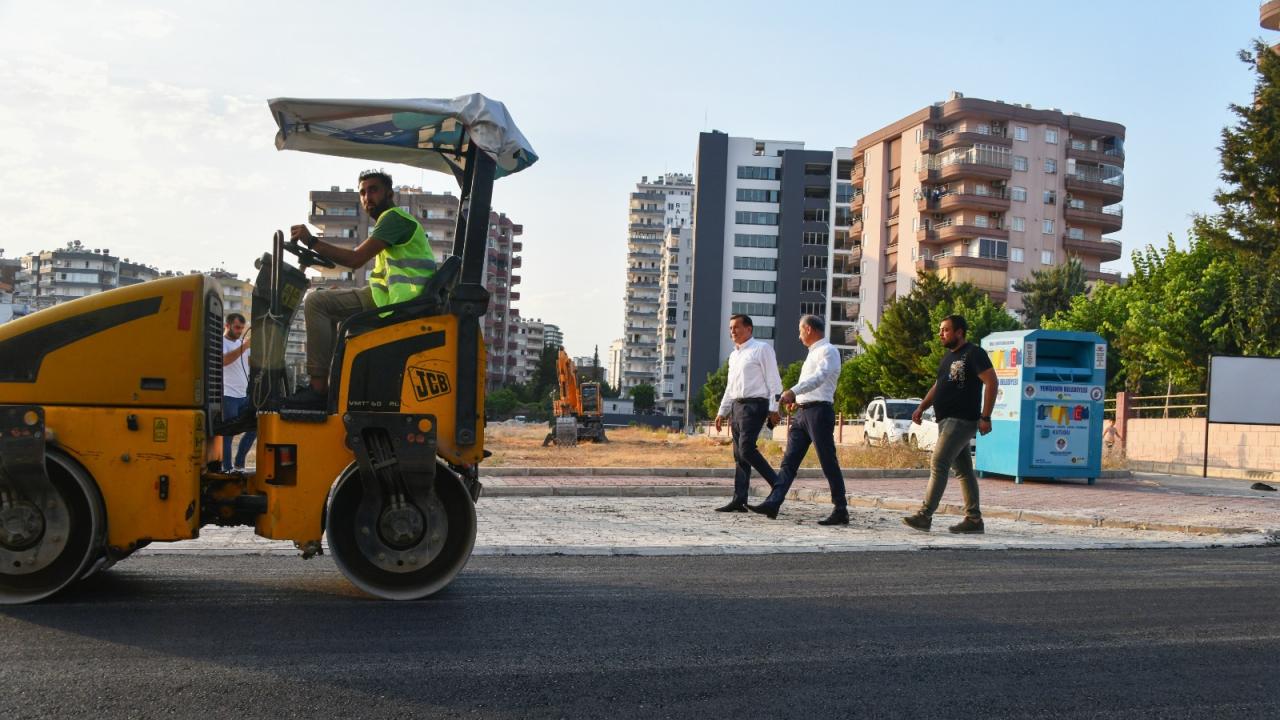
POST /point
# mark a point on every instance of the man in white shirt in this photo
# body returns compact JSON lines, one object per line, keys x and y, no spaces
{"x":235,"y":388}
{"x":814,"y":422}
{"x":750,"y":397}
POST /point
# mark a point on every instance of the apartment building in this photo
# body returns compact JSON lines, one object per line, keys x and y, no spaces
{"x":237,"y":294}
{"x":655,"y":206}
{"x":501,"y":323}
{"x":552,"y":335}
{"x":50,"y":277}
{"x":132,"y":273}
{"x":616,"y":351}
{"x":532,"y":334}
{"x":673,"y":321}
{"x":980,"y":191}
{"x":766,"y":214}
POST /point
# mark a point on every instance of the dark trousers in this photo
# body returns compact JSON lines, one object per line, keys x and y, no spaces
{"x":748,"y":418}
{"x":816,"y":425}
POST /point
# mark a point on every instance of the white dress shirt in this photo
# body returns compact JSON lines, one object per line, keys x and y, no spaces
{"x":819,"y":374}
{"x":753,"y":373}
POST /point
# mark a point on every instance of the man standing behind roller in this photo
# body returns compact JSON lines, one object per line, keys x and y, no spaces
{"x":750,"y":398}
{"x":404,"y":264}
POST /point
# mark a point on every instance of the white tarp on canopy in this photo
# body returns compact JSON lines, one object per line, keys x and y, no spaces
{"x":427,"y":133}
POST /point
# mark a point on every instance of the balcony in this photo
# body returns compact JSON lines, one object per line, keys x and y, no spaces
{"x":1102,"y":248}
{"x":645,"y":227}
{"x":1090,"y":151}
{"x":964,"y":137}
{"x":976,"y":164}
{"x":1106,"y":218}
{"x":950,"y":231}
{"x":648,"y":197}
{"x":993,"y":200}
{"x":988,"y":274}
{"x":1092,"y":182}
{"x":648,"y":212}
{"x":859,"y":172}
{"x":1109,"y":276}
{"x":855,"y":205}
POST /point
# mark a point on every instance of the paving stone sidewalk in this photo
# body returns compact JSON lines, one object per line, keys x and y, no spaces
{"x":1152,"y":502}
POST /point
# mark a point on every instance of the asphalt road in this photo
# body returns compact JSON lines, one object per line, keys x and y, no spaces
{"x":1125,"y":634}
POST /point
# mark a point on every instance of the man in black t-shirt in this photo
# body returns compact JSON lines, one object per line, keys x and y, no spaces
{"x":963,"y":395}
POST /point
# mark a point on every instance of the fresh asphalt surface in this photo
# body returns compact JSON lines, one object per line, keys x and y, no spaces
{"x":946,"y":633}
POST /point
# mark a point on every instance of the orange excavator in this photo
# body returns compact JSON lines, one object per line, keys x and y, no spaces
{"x":578,"y":407}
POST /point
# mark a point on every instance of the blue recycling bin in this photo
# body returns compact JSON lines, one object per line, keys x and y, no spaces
{"x":1047,"y":420}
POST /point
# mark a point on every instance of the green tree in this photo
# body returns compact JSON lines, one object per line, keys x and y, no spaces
{"x":713,"y":391}
{"x":856,"y":385}
{"x":1105,"y":311}
{"x":643,"y":395}
{"x":791,"y":374}
{"x":500,"y":403}
{"x":1050,"y":291}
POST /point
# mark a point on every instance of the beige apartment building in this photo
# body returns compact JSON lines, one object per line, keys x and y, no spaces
{"x":978,"y":191}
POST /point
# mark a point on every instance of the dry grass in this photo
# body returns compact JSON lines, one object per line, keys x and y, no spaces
{"x":516,"y":445}
{"x":520,"y":445}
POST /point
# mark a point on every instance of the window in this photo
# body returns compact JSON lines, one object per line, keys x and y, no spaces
{"x":757,"y":195}
{"x":1018,"y":193}
{"x":1050,"y":197}
{"x":753,"y":172}
{"x":764,"y":332}
{"x":1075,"y":233}
{"x":814,"y":238}
{"x":1048,"y":227}
{"x":815,"y":262}
{"x":997,"y":249}
{"x":1046,"y":257}
{"x":1050,"y":165}
{"x":754,"y":263}
{"x":1015,"y":254}
{"x":754,"y":286}
{"x":814,"y":285}
{"x":1051,"y":136}
{"x":1019,"y":133}
{"x":1018,"y":224}
{"x":980,"y":221}
{"x":755,"y":241}
{"x":844,"y":193}
{"x":813,"y":308}
{"x":750,"y":308}
{"x":743,"y":217}
{"x":1020,"y":163}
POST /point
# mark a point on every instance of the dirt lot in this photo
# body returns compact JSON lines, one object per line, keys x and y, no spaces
{"x":520,"y":445}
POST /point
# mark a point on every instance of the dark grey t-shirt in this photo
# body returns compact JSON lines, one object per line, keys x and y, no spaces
{"x":959,"y":393}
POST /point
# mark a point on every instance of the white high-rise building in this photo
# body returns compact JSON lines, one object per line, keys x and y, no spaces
{"x":673,"y":321}
{"x":655,"y":207}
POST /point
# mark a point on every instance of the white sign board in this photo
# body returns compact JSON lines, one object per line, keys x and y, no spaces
{"x":1244,"y":390}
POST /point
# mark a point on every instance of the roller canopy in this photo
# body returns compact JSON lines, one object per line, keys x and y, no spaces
{"x":433,"y":134}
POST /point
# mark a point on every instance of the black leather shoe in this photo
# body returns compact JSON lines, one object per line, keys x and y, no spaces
{"x":837,"y":517}
{"x":765,"y":509}
{"x":734,"y":506}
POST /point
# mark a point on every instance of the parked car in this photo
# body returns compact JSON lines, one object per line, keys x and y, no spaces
{"x":888,"y":420}
{"x":924,"y":434}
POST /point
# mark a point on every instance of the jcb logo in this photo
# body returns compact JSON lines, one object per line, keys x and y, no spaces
{"x":428,"y":383}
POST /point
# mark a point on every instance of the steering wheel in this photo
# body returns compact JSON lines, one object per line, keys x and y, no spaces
{"x":306,"y":256}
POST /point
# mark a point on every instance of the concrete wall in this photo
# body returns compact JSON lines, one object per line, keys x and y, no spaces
{"x":1177,"y":445}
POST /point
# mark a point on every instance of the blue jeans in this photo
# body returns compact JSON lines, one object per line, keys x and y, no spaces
{"x":231,"y":409}
{"x":951,"y":451}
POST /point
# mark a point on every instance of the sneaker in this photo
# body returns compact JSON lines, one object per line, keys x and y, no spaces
{"x":308,"y":399}
{"x":968,"y":526}
{"x":919,"y":521}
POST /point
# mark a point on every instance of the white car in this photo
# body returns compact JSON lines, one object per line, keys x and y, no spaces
{"x":888,"y":420}
{"x":924,"y":434}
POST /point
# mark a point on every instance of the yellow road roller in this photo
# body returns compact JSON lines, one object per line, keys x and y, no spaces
{"x":107,"y":402}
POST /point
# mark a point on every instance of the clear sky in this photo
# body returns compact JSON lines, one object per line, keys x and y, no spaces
{"x":142,"y":127}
